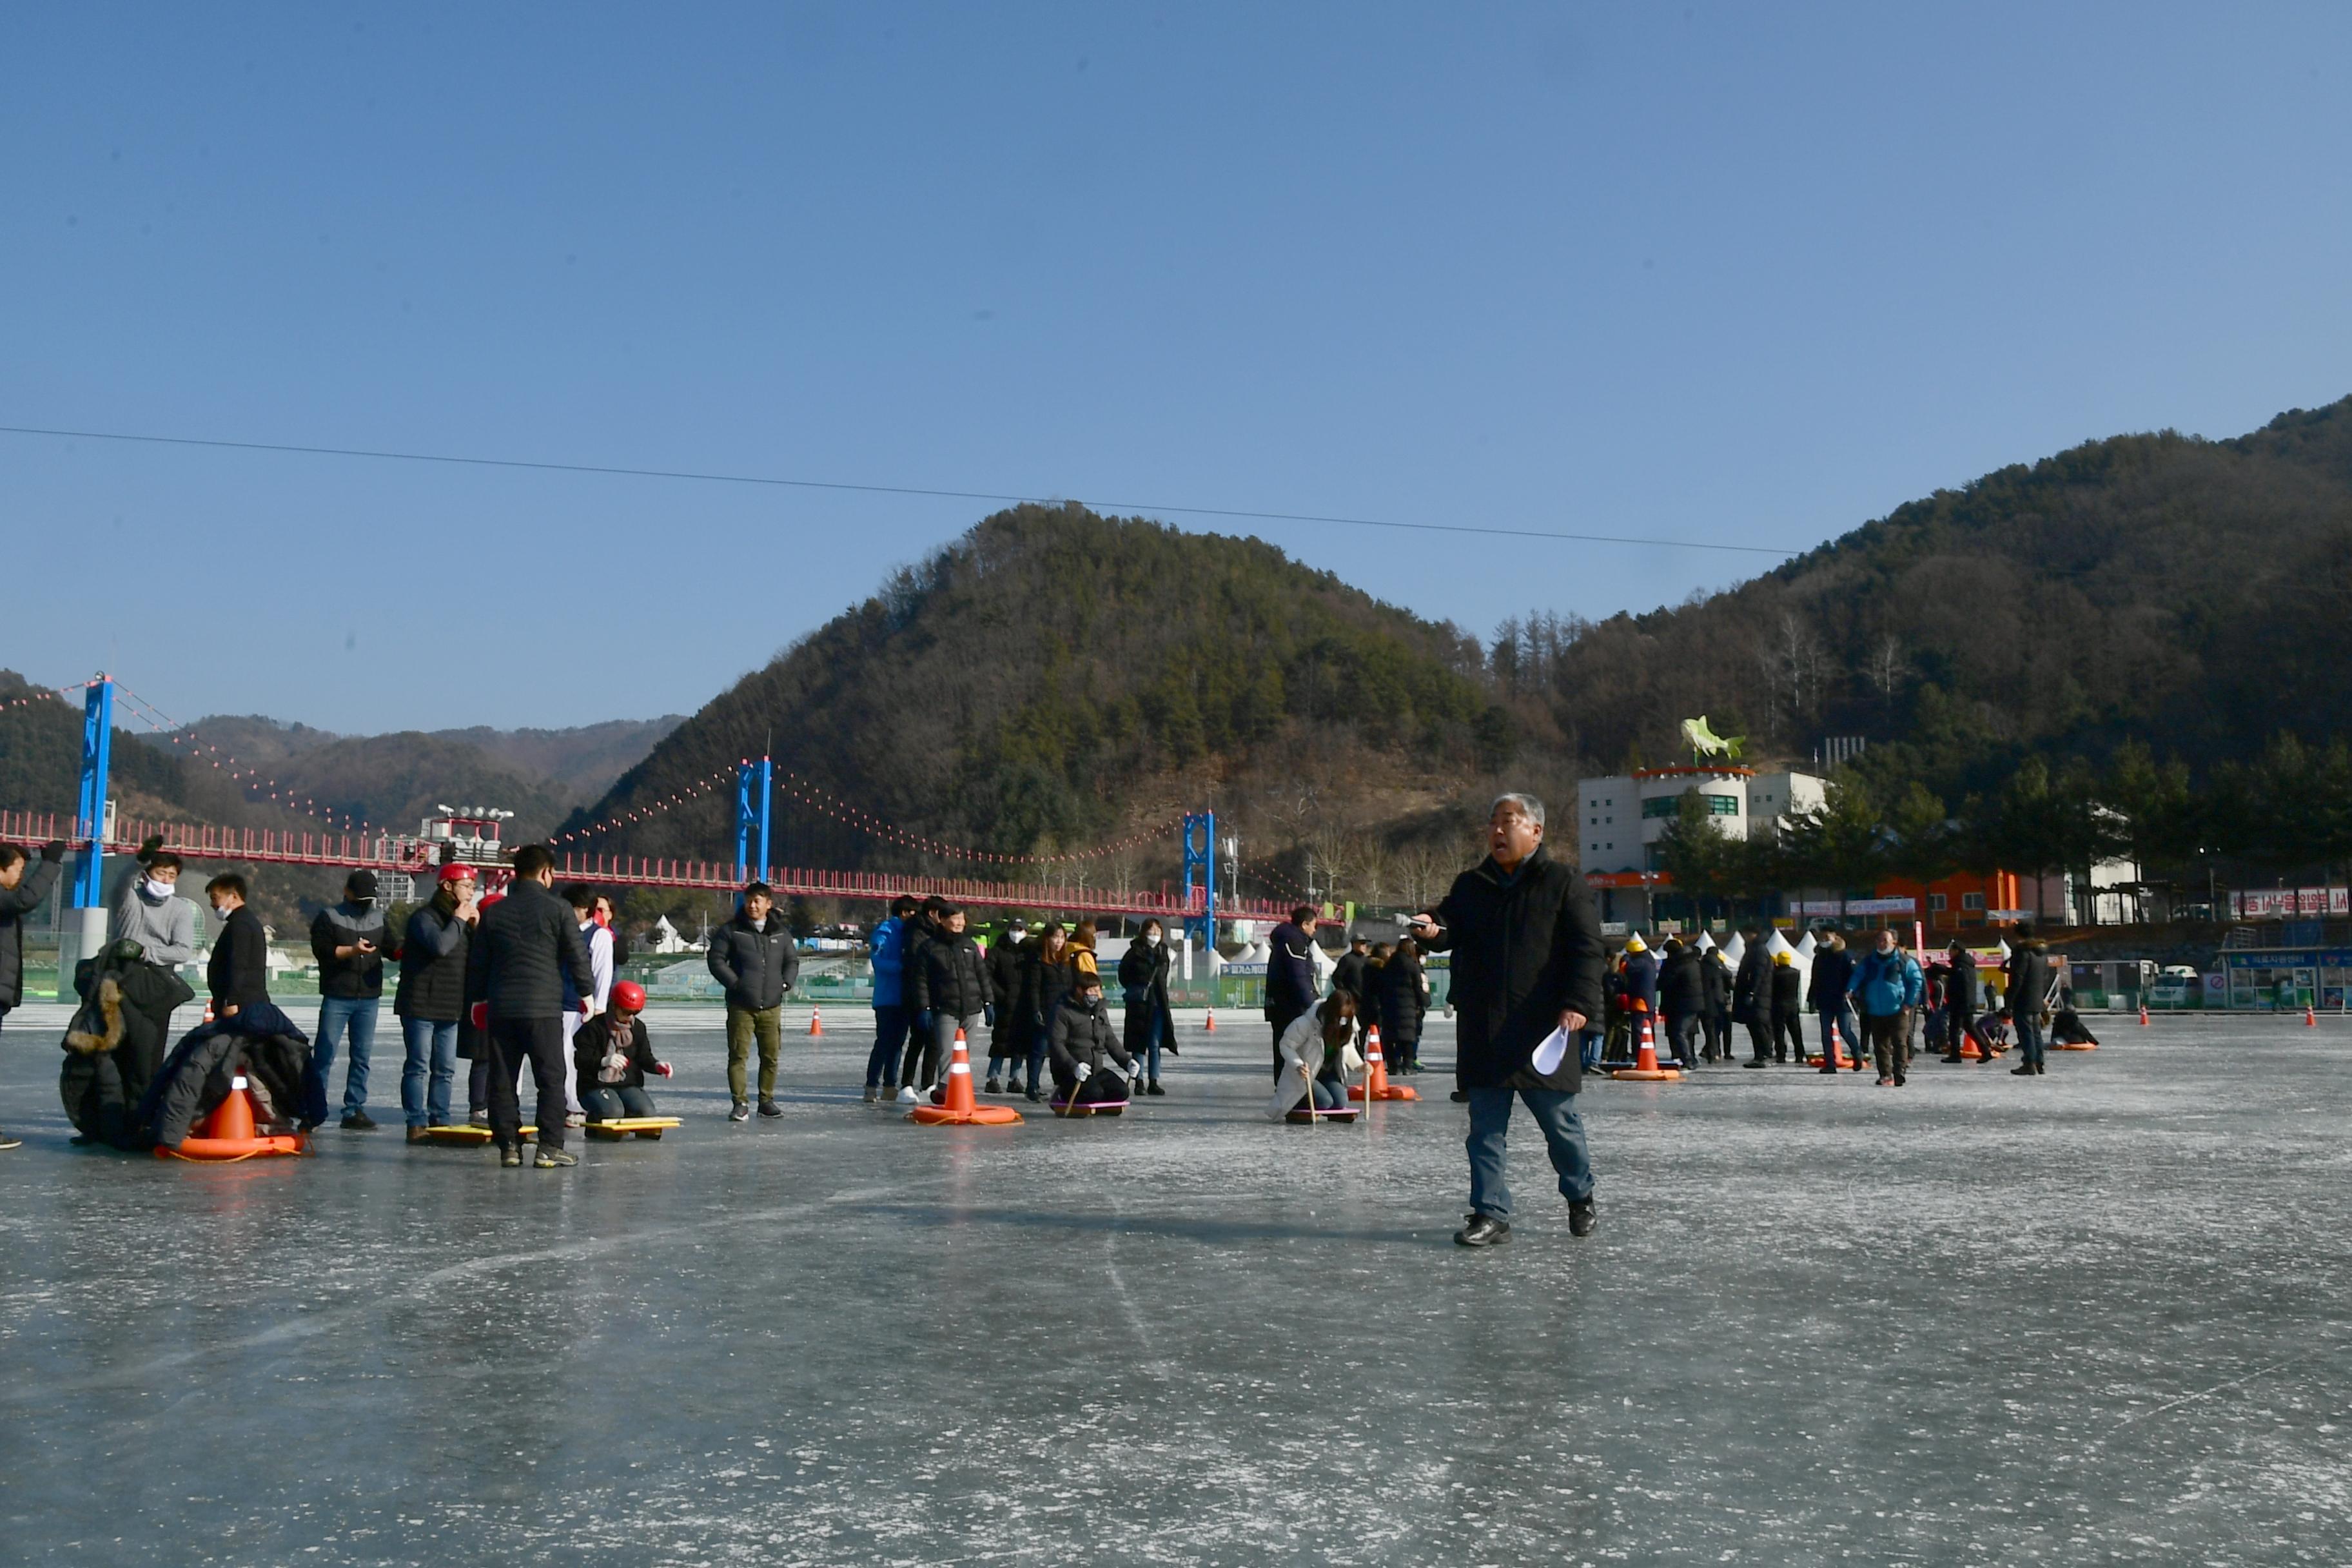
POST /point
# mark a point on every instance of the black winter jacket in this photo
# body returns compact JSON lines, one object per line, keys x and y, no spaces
{"x":2029,"y":980}
{"x":32,"y":885}
{"x":1525,"y":947}
{"x":588,"y":1054}
{"x":237,"y":976}
{"x":952,"y":977}
{"x":341,"y":925}
{"x":1349,"y":973}
{"x":919,"y":934}
{"x":1832,"y":972}
{"x":1045,"y":982}
{"x":1714,"y":975}
{"x":433,"y":966}
{"x":1081,"y":1039}
{"x":1403,"y":1002}
{"x":519,"y":955}
{"x":115,"y":1042}
{"x":1960,"y":987}
{"x":1290,"y":985}
{"x":756,"y":964}
{"x":1682,"y":989}
{"x":1751,"y":987}
{"x":1788,"y":992}
{"x":1142,"y":968}
{"x":261,"y":1042}
{"x":1006,"y":959}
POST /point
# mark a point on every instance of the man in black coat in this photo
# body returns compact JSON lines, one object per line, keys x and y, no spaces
{"x":1961,"y":1006}
{"x":1682,"y":1000}
{"x":1526,"y":962}
{"x":24,"y":883}
{"x":1291,"y":987}
{"x":1008,"y":1042}
{"x":516,"y":962}
{"x":1751,"y":999}
{"x":2027,"y":999}
{"x":238,"y":974}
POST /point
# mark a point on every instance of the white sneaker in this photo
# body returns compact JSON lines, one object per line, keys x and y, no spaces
{"x":575,"y":1119}
{"x":906,"y":1095}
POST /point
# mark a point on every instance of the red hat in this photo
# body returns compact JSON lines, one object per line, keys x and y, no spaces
{"x":628,"y":995}
{"x":458,"y":871}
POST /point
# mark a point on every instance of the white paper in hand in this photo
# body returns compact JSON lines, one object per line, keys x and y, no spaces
{"x":1551,"y":1052}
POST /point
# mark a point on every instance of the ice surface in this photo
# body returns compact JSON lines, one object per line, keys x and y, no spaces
{"x":2098,"y":1317}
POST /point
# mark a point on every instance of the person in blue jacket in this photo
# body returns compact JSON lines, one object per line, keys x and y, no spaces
{"x":1885,"y":988}
{"x":886,"y":950}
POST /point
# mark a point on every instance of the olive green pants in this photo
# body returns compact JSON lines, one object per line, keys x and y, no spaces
{"x":743,"y":1023}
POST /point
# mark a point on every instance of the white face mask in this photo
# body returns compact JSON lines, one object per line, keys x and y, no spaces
{"x":159,"y":891}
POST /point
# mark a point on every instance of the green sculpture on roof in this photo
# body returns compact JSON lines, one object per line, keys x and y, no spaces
{"x":1706,"y":743}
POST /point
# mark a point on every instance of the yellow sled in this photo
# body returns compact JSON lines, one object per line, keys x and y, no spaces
{"x":620,"y":1127}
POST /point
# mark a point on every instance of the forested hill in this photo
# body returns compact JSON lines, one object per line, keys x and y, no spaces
{"x":2195,"y":594}
{"x":1055,"y":678}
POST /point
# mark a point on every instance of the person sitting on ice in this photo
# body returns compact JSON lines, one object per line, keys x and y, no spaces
{"x":1085,"y":1046}
{"x":2066,"y":1027}
{"x":612,"y":1057}
{"x":1318,"y":1051}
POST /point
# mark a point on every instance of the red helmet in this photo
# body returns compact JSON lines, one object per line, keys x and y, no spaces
{"x":458,"y":871}
{"x":628,"y":995}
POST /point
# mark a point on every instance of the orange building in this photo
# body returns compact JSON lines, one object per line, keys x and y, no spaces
{"x":1955,"y":902}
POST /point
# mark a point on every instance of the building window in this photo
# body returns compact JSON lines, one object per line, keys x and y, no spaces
{"x":1972,"y":901}
{"x":1668,"y":804}
{"x":1937,"y":903}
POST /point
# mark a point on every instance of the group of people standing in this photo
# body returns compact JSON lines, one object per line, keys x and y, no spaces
{"x":1039,"y":994}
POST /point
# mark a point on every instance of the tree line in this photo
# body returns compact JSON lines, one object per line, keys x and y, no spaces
{"x":2282,"y":815}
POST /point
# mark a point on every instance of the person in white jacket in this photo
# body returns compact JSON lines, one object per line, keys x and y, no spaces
{"x":582,"y":899}
{"x":1318,"y":1052}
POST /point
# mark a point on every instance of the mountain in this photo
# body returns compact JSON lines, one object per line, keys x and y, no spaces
{"x":583,"y":762}
{"x":2195,"y":593}
{"x":1055,"y":678}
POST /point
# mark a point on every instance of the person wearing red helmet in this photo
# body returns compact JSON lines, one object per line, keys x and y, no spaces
{"x":612,"y":1057}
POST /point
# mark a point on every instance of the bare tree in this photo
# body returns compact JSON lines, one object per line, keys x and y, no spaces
{"x":1422,"y":876}
{"x":1888,"y":666}
{"x":1794,"y":666}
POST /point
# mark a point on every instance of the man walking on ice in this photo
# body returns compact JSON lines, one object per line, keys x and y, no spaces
{"x":1526,"y":962}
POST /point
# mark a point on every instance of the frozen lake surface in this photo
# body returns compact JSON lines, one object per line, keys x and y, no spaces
{"x":2099,"y":1317}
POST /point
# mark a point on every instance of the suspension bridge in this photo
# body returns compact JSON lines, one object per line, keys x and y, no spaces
{"x":95,"y":831}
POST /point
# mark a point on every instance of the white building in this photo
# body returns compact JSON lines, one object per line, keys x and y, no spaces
{"x":1620,"y":819}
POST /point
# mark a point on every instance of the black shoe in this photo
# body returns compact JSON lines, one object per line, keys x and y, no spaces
{"x":2039,"y":1069}
{"x":1153,"y":1088}
{"x":1581,"y":1218}
{"x":742,"y":1113}
{"x":511,"y":1158}
{"x":555,"y":1159}
{"x":994,"y":1086}
{"x":1459,"y":1097}
{"x":1484,"y":1230}
{"x":2026,"y":1071}
{"x":1832,"y":1071}
{"x":1900,"y":1081}
{"x":770,"y":1108}
{"x":358,"y":1121}
{"x":1036,"y":1096}
{"x":1756,"y":1064}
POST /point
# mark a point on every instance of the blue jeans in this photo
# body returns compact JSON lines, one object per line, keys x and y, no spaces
{"x":890,"y":1040}
{"x":336,"y":1015}
{"x":1849,"y":1028}
{"x":2030,"y":1039}
{"x":1145,"y":1027}
{"x":1587,"y":1047}
{"x":432,"y":1059}
{"x":1563,"y":1129}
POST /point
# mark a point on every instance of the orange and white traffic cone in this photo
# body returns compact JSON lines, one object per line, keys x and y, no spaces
{"x":2310,"y":1018}
{"x":817,"y":1022}
{"x":1645,"y":1068}
{"x":2143,"y":1015}
{"x":208,"y":1019}
{"x":1212,"y":1027}
{"x":1376,"y":1085}
{"x":958,"y":1106}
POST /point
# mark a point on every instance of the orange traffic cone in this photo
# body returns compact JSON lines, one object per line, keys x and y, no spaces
{"x":1376,"y":1085}
{"x":958,"y":1107}
{"x":1645,"y":1068}
{"x":2143,"y":1015}
{"x":817,"y":1022}
{"x":1213,"y":1023}
{"x":228,"y":1133}
{"x":2310,"y":1018}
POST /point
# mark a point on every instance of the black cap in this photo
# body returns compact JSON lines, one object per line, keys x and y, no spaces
{"x":363,"y":883}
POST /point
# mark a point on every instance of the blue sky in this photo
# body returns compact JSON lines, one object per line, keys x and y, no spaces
{"x":1730,"y":273}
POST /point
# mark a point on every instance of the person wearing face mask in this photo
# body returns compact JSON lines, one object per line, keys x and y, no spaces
{"x":350,"y":941}
{"x":1144,"y":975}
{"x":951,"y":986}
{"x":1886,"y":986}
{"x":151,"y":912}
{"x":1083,"y":1044}
{"x":1046,"y":978}
{"x":238,"y":973}
{"x":431,"y":1001}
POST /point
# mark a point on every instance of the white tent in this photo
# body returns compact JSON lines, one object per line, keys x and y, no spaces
{"x":1804,"y":952}
{"x":1706,"y":943}
{"x":1735,"y":950}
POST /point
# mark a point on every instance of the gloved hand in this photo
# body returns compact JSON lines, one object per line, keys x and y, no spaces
{"x":54,"y":850}
{"x":662,"y":1068}
{"x":479,"y":1014}
{"x":148,"y":846}
{"x":988,"y":1014}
